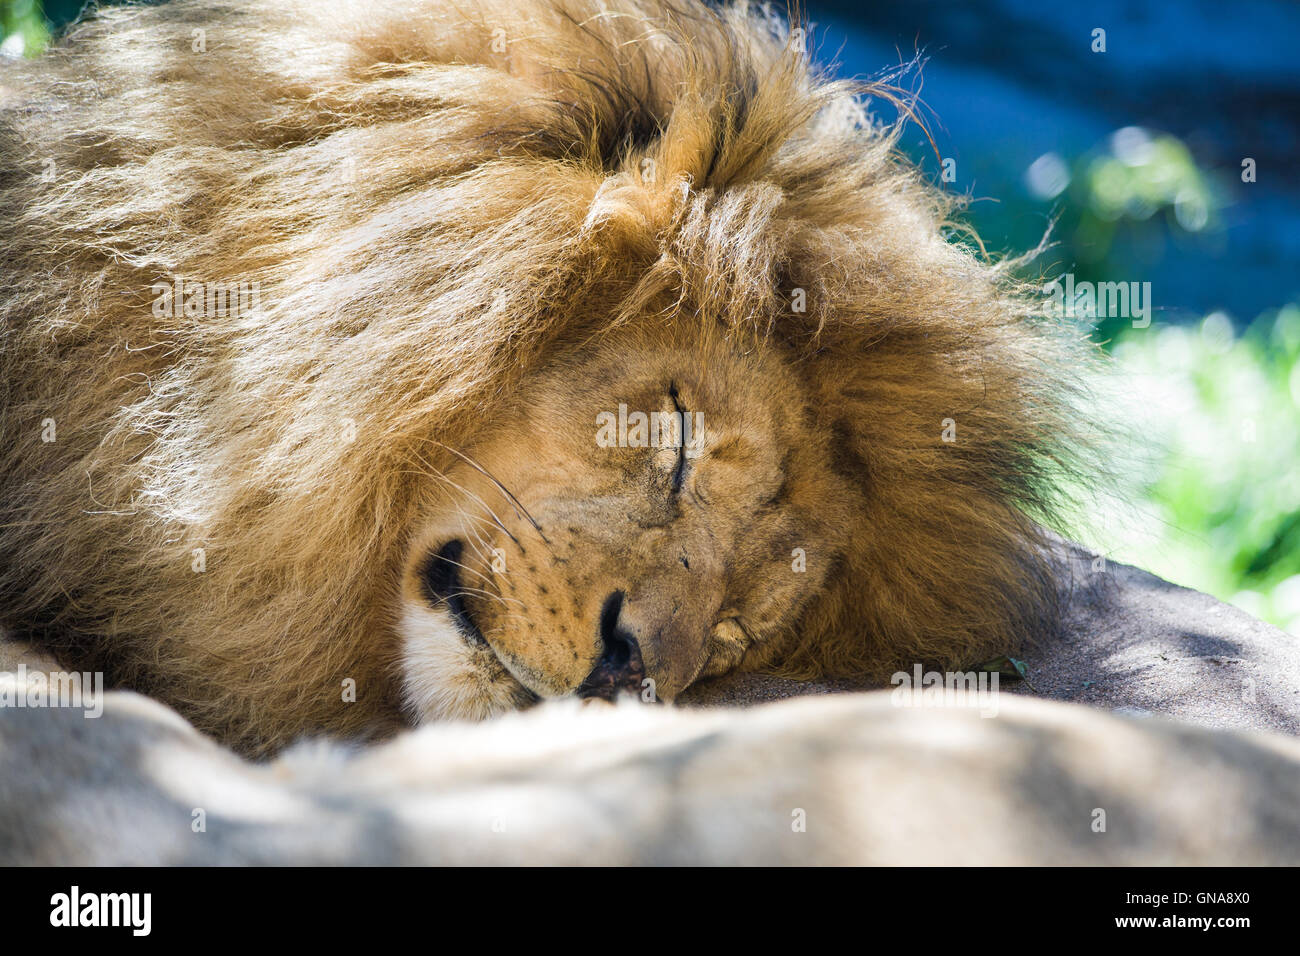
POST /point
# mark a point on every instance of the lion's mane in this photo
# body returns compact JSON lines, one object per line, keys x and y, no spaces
{"x":431,"y":198}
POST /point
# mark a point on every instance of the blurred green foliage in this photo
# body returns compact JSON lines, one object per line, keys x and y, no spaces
{"x":1125,"y":206}
{"x":23,"y":31}
{"x":1217,"y":479}
{"x":1216,"y":482}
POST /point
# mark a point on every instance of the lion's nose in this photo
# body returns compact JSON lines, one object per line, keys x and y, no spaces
{"x":620,"y":666}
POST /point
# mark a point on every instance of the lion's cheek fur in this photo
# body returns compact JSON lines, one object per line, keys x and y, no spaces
{"x":444,"y":676}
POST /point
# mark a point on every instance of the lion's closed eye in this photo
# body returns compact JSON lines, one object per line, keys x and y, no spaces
{"x":683,"y":423}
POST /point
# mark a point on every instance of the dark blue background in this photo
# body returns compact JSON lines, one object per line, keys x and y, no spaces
{"x":1009,"y":80}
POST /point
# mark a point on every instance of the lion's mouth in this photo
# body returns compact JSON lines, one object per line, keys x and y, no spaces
{"x":442,"y":580}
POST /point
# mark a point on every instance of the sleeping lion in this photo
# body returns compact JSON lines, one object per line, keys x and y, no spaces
{"x":373,"y":363}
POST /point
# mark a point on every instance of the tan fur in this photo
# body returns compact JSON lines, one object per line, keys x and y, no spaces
{"x":848,"y":779}
{"x":503,"y":226}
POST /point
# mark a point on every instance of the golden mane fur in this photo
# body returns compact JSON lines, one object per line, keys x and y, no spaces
{"x":432,"y":198}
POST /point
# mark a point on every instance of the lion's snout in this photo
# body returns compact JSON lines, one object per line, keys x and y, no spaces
{"x":654,"y":637}
{"x":620,"y":665}
{"x":561,"y":626}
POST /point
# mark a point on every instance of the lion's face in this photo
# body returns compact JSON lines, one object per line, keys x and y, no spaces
{"x":582,"y":548}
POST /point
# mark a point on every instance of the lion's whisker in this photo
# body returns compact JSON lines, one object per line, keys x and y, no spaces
{"x":515,"y":502}
{"x":466,"y":591}
{"x":434,"y":472}
{"x":481,"y":547}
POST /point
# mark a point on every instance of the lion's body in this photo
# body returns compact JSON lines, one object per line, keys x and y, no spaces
{"x":841,"y":780}
{"x":216,"y":506}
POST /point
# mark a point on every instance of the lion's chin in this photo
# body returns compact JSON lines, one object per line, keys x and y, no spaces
{"x":447,"y":677}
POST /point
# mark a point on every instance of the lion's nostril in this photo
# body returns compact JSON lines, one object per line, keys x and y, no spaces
{"x":614,"y":642}
{"x":620,"y":666}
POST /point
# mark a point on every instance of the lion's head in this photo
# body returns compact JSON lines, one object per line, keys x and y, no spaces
{"x":645,"y":518}
{"x":595,"y":344}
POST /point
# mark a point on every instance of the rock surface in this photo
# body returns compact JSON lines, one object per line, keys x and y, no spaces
{"x":1132,"y":643}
